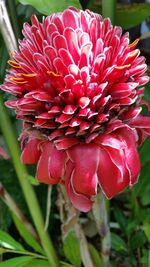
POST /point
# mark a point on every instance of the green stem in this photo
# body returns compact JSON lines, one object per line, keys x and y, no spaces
{"x":71,"y":222}
{"x":108,"y":9}
{"x":4,"y":58}
{"x":135,"y":204}
{"x":13,"y":16}
{"x":27,"y":253}
{"x":27,"y":188}
{"x":101,"y":214}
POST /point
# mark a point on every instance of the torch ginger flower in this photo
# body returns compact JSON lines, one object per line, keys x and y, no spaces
{"x":78,"y":87}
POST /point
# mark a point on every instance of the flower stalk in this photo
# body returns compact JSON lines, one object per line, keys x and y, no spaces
{"x":70,"y":220}
{"x":100,"y":213}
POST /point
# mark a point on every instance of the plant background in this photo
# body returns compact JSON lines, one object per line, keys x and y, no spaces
{"x":129,"y":212}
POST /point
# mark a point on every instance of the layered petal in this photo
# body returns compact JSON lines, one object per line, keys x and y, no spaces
{"x":80,"y":201}
{"x":85,"y":158}
{"x":112,"y":173}
{"x":76,"y":84}
{"x":31,"y":151}
{"x":50,"y":166}
{"x":127,"y":135}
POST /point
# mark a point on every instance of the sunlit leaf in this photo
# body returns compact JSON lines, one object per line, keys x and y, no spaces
{"x":50,"y":6}
{"x":71,"y":247}
{"x":9,"y":242}
{"x":38,"y":263}
{"x":33,"y":180}
{"x":126,"y":16}
{"x":95,"y":256}
{"x":16,"y":262}
{"x":65,"y":264}
{"x":26,"y":235}
{"x":118,"y":243}
{"x":146,"y":228}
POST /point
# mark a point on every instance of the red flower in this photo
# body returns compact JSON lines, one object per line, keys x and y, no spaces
{"x":77,"y":83}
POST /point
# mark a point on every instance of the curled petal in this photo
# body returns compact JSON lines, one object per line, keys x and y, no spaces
{"x":110,"y":140}
{"x":43,"y":167}
{"x":112,"y":178}
{"x":80,"y":201}
{"x":85,"y":159}
{"x":132,"y":114}
{"x":65,"y":143}
{"x":141,"y":122}
{"x":127,"y":136}
{"x":31,"y":152}
{"x":56,"y":164}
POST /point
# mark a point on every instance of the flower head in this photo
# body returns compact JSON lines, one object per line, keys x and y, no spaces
{"x":78,"y":87}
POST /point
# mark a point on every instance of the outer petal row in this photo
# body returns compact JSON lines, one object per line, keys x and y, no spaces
{"x":112,"y":162}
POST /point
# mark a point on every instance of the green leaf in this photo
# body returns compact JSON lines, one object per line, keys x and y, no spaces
{"x":5,"y":218}
{"x":7,"y":241}
{"x":65,"y":264}
{"x":4,"y":58}
{"x":95,"y":256}
{"x":145,"y":198}
{"x":146,"y":228}
{"x":16,"y":262}
{"x":26,"y":235}
{"x":144,"y":152}
{"x":146,"y":93}
{"x":50,"y":6}
{"x":120,"y":218}
{"x":143,"y":186}
{"x":126,"y":16}
{"x":38,"y":263}
{"x":131,"y":225}
{"x":33,"y":180}
{"x":118,"y":243}
{"x":71,"y":248}
{"x":145,"y":258}
{"x":2,"y":250}
{"x":138,"y":240}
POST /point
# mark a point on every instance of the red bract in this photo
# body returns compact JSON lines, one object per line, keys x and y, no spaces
{"x":77,"y":83}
